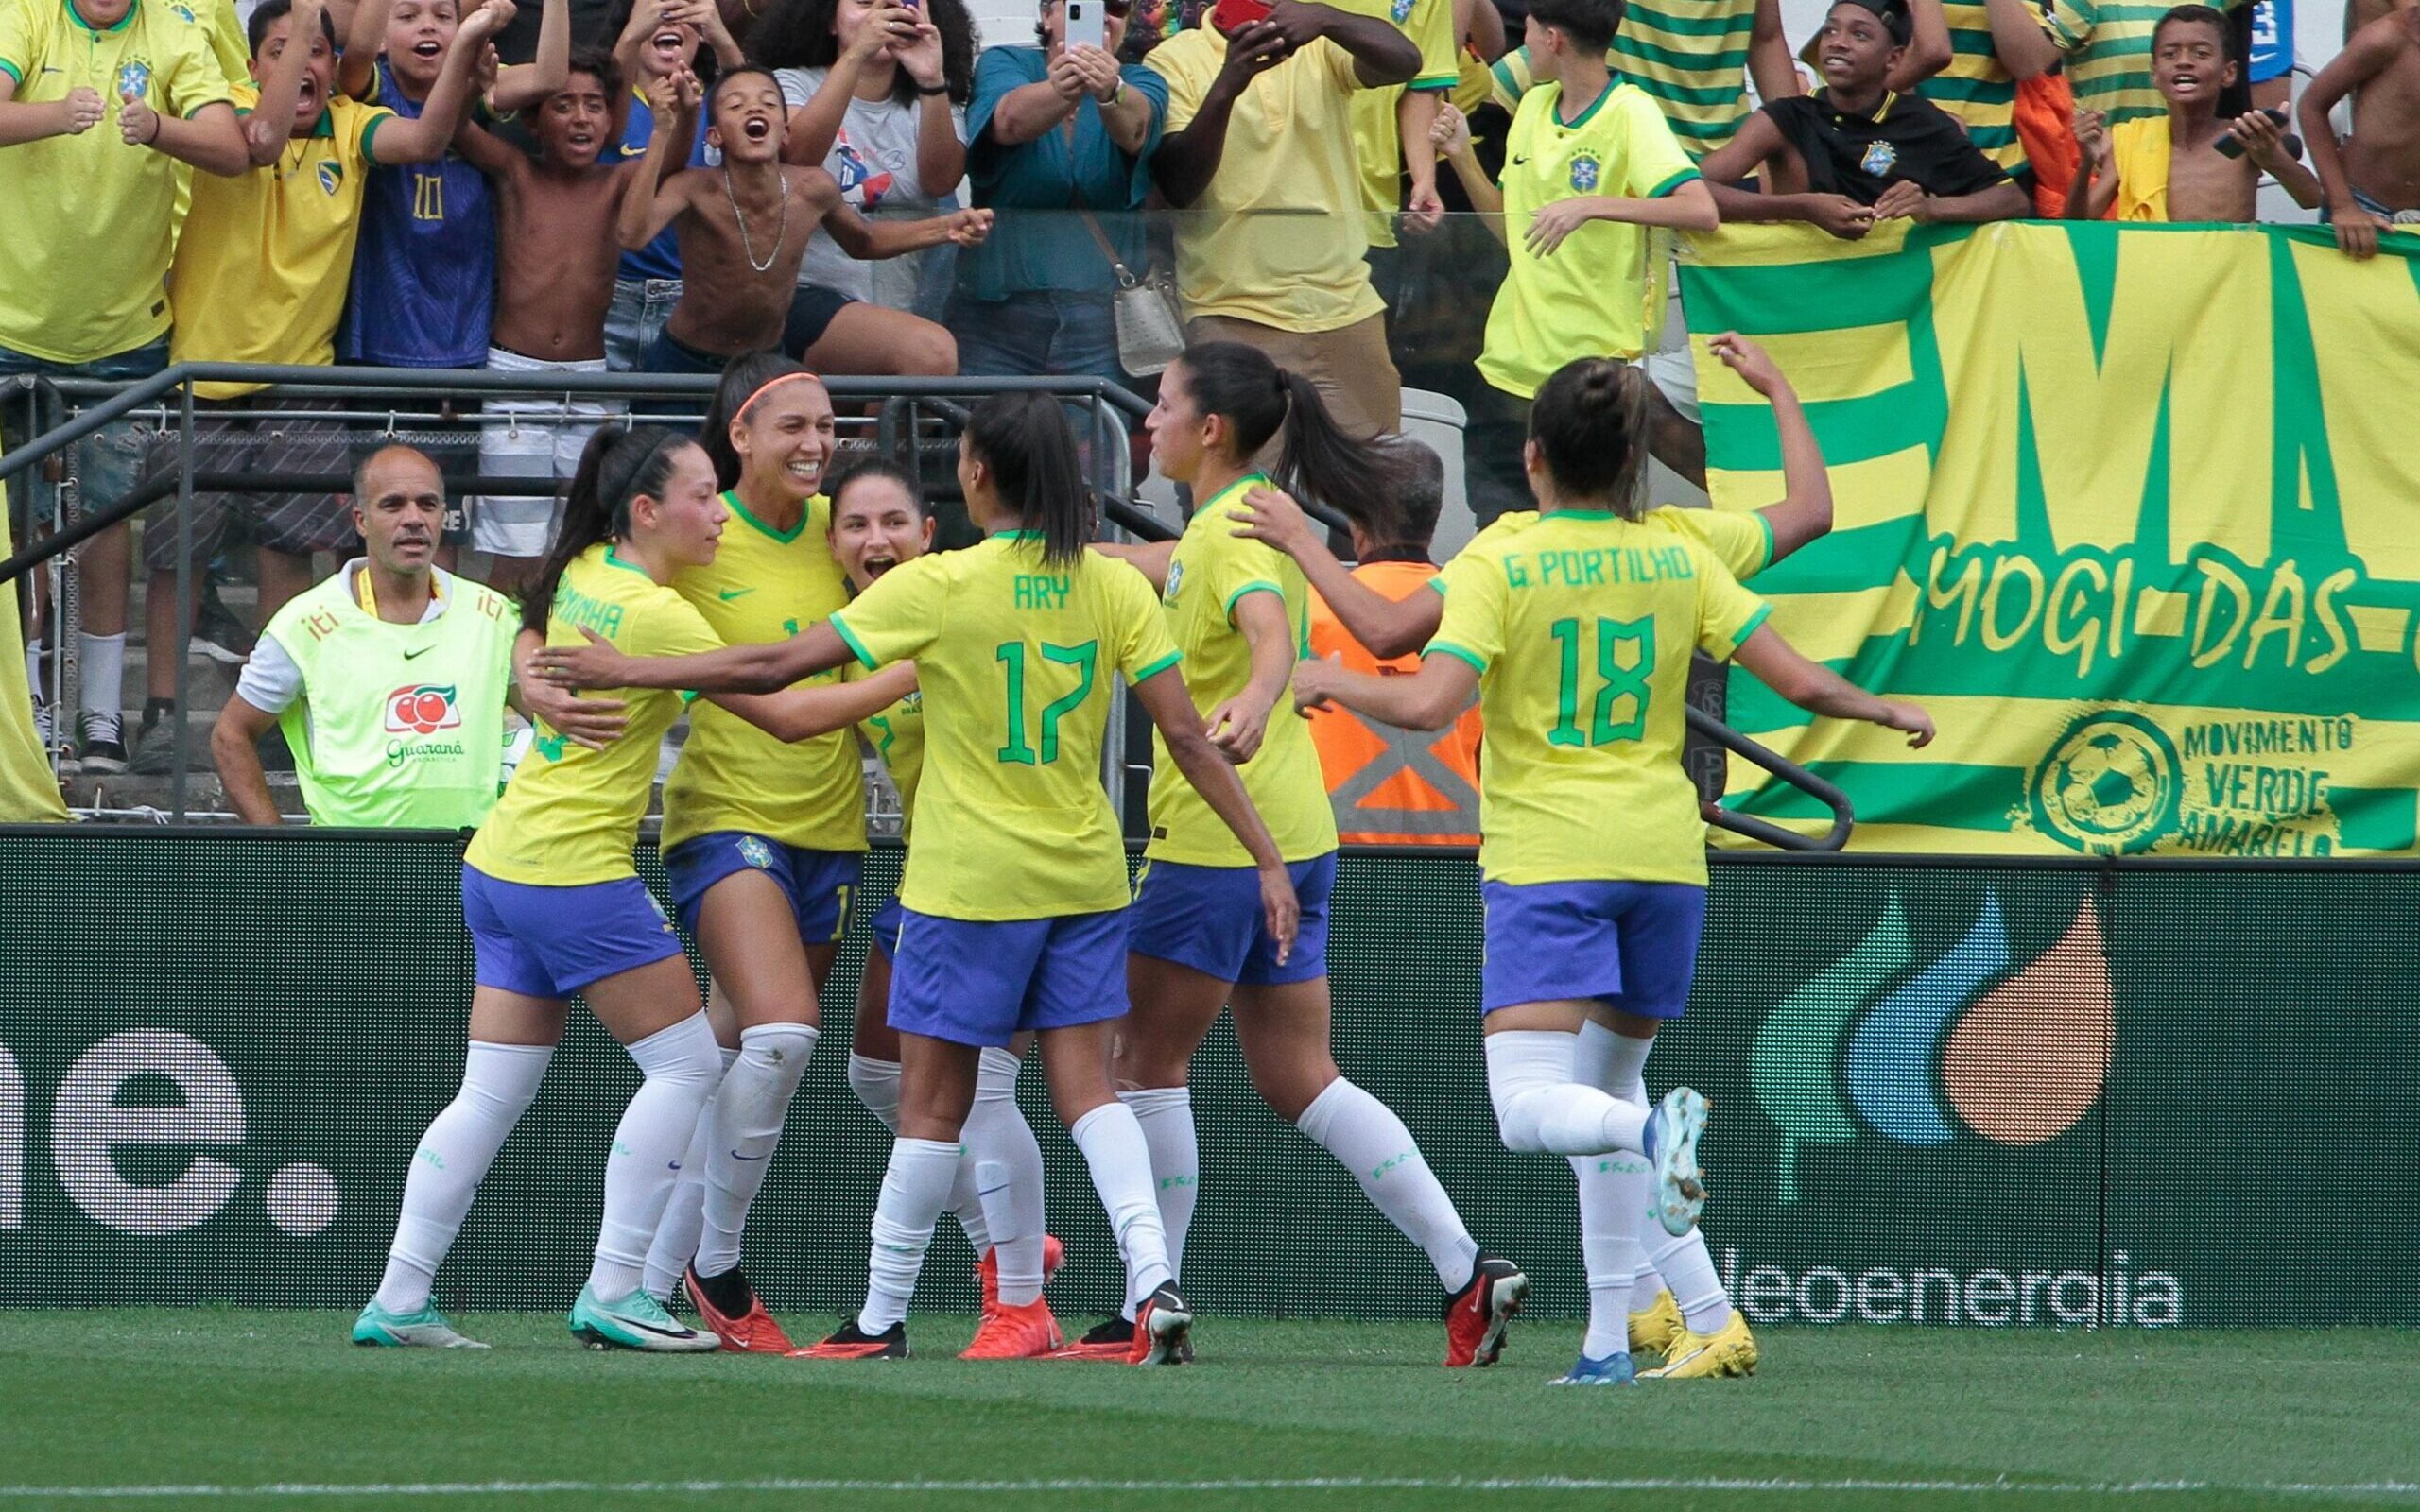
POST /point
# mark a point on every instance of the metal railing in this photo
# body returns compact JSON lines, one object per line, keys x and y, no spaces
{"x":899,"y":426}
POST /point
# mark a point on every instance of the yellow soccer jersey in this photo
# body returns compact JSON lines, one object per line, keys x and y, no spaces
{"x":766,"y":585}
{"x":1213,"y":569}
{"x":570,"y":813}
{"x":1597,"y":295}
{"x":1580,"y":628}
{"x":264,"y":257}
{"x":1016,"y":660}
{"x":1743,"y":543}
{"x":1378,"y":141}
{"x":83,"y":263}
{"x":897,"y":736}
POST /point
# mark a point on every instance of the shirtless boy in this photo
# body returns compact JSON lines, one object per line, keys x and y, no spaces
{"x":744,"y":226}
{"x":556,"y":215}
{"x":2168,"y":167}
{"x":2372,"y":179}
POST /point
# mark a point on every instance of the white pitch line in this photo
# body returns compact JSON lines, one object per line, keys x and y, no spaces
{"x":1525,"y":1484}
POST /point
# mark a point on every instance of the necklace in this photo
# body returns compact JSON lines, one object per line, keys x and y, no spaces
{"x":747,"y":247}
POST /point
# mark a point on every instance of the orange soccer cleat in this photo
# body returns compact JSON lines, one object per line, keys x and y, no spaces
{"x":749,"y":1330}
{"x":1476,"y":1315}
{"x":1008,"y":1333}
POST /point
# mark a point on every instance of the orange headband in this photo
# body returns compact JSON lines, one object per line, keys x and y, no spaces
{"x":768,"y":387}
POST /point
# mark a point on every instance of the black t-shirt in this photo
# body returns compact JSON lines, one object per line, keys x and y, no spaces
{"x":1903,"y":137}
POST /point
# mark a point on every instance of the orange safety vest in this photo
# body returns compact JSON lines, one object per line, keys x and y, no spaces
{"x":1391,"y":785}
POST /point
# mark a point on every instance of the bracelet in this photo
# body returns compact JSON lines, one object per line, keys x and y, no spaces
{"x":1117,"y":94}
{"x":937,"y":89}
{"x":158,"y":124}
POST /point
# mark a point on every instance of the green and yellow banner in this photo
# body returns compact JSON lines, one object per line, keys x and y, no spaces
{"x":2135,"y":512}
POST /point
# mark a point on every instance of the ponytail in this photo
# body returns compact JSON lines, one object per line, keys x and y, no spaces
{"x":614,"y":468}
{"x":1317,"y":460}
{"x":1024,"y":440}
{"x":1590,"y":419}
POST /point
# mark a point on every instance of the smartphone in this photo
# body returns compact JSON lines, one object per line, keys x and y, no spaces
{"x":1232,"y":17}
{"x":1087,"y":23}
{"x":2229,"y":147}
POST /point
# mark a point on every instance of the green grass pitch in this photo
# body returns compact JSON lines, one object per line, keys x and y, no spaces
{"x":223,"y":1409}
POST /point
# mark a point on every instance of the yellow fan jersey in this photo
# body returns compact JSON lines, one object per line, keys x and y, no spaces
{"x":1580,"y":628}
{"x":1742,"y":542}
{"x":766,"y":585}
{"x":1377,"y":141}
{"x":1016,"y":660}
{"x":1597,"y":295}
{"x":897,"y":736}
{"x":570,"y":813}
{"x":1212,"y":571}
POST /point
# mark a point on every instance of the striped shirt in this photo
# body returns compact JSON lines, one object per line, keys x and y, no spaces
{"x":2108,"y":44}
{"x":1977,"y":87}
{"x":1690,"y":57}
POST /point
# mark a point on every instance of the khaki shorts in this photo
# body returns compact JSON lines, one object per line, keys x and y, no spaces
{"x":296,"y":523}
{"x":1349,"y":366}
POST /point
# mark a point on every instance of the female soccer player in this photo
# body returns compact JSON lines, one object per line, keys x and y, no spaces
{"x":764,"y":839}
{"x":554,"y":905}
{"x":1239,"y":613}
{"x":1013,"y":908}
{"x":1576,"y":635}
{"x":879,"y":522}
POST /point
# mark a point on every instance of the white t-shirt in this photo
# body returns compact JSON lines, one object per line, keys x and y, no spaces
{"x":272,"y":679}
{"x":873,"y":156}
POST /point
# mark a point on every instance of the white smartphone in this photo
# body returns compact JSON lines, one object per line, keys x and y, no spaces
{"x":1087,"y":23}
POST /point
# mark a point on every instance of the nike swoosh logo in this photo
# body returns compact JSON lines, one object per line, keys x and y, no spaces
{"x":408,"y":655}
{"x":676,"y":1332}
{"x":727,"y":594}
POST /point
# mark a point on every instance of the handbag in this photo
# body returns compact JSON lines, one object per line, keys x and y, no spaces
{"x":1150,"y":327}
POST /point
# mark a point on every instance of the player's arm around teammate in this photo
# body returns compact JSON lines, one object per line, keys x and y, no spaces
{"x":1577,"y":635}
{"x":1018,"y":922}
{"x":1239,"y":613}
{"x":556,"y":908}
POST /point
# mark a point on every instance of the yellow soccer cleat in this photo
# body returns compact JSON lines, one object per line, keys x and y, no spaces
{"x":1729,"y":1350}
{"x":1658,"y":1329}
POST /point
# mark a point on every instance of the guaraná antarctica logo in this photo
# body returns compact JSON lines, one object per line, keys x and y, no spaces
{"x":1963,"y":1042}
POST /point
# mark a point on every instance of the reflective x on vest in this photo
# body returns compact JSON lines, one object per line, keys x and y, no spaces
{"x":1405,"y":751}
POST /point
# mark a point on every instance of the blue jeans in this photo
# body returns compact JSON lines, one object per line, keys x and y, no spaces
{"x":107,"y":462}
{"x":636,"y":318}
{"x":1047,"y":333}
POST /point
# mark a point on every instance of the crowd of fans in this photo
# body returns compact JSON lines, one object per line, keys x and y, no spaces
{"x":466,"y":184}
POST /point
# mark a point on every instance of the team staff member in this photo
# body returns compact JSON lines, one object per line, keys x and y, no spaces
{"x":556,"y":908}
{"x":1393,"y":787}
{"x":389,"y":678}
{"x":1595,"y":852}
{"x":1018,"y":921}
{"x":1238,"y":612}
{"x":764,"y":840}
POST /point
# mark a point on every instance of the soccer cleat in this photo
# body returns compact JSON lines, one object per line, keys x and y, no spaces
{"x":425,"y":1329}
{"x":853,"y":1343}
{"x":638,"y":1321}
{"x":1612,"y":1370}
{"x":1655,"y":1331}
{"x":987,"y":1270}
{"x":1009,"y":1333}
{"x":744,"y":1330}
{"x":1163,"y":1330}
{"x":1671,"y":1147}
{"x":1729,"y":1350}
{"x":1476,"y":1315}
{"x":1110,"y":1339}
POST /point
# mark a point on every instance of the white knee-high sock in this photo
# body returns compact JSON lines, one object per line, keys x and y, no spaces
{"x":1007,"y":1162}
{"x":913,"y":1190}
{"x":749,"y":1110}
{"x":1166,"y":1116}
{"x":1111,"y":1141}
{"x":1614,"y":1190}
{"x":1541,"y":1110}
{"x":680,"y":1064}
{"x":451,"y":1160}
{"x":684,"y":1214}
{"x":1372,"y":1144}
{"x":876,"y":1084}
{"x":102,"y":666}
{"x":1619,"y":1065}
